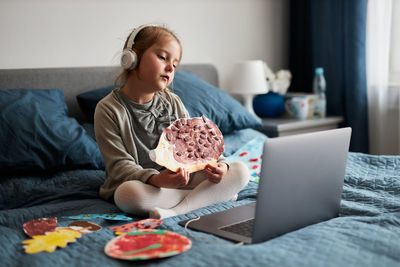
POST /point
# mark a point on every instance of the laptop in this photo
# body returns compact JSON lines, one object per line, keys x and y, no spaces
{"x":301,"y":184}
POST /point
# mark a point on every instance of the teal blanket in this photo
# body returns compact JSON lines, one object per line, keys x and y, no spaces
{"x":367,"y":232}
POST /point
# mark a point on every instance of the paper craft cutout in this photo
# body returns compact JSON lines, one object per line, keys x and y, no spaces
{"x":107,"y":216}
{"x":251,"y":155}
{"x":142,"y":224}
{"x":80,"y":229}
{"x":147,"y":244}
{"x":190,"y":144}
{"x":85,"y":227}
{"x":40,"y":226}
{"x":50,"y":241}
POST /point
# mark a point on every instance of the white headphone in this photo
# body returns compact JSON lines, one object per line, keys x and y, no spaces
{"x":129,"y":57}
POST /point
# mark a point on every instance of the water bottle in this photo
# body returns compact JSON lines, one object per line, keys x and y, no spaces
{"x":319,"y":88}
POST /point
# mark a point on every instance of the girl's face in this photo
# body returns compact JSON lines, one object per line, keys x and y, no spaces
{"x":158,"y":64}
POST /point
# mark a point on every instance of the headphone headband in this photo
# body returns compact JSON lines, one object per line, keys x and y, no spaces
{"x":131,"y":39}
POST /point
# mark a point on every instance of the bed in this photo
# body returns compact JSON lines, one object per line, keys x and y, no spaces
{"x":50,"y":166}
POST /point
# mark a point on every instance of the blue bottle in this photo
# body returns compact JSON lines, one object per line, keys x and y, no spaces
{"x":319,"y":89}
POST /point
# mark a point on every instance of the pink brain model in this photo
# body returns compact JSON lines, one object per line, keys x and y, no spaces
{"x":190,"y":144}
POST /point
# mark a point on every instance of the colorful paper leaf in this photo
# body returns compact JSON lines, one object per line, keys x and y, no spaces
{"x":142,"y":224}
{"x":40,"y":226}
{"x":50,"y":241}
{"x":107,"y":216}
{"x":86,"y":227}
{"x":147,"y":244}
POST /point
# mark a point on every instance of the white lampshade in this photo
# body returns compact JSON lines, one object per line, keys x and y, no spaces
{"x":248,"y":79}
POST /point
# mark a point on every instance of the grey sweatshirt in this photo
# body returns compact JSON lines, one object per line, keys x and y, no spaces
{"x":125,"y":147}
{"x":126,"y":131}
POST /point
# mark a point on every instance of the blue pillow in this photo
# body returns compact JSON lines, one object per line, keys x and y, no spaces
{"x":88,"y":100}
{"x":37,"y":134}
{"x":201,"y":97}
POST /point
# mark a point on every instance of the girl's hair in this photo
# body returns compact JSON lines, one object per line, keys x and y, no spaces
{"x":147,"y":37}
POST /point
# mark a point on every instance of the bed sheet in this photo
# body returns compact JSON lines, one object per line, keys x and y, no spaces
{"x":366,"y":233}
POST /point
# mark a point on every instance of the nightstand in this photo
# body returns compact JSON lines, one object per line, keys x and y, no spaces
{"x":290,"y":126}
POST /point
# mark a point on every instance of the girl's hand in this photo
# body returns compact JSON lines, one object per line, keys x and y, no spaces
{"x":170,"y":179}
{"x":215,"y":174}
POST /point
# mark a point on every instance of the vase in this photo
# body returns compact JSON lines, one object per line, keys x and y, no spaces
{"x":269,"y":105}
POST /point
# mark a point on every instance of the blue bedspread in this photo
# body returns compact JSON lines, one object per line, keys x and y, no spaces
{"x":367,"y":233}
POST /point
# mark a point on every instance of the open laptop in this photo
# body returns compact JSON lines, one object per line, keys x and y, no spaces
{"x":300,"y":184}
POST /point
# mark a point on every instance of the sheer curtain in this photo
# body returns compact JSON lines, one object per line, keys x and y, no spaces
{"x":382,"y":99}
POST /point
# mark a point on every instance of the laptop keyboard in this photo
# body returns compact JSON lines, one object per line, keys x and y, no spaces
{"x":243,"y":228}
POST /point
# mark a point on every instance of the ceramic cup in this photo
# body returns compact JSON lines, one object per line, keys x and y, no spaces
{"x":297,"y":107}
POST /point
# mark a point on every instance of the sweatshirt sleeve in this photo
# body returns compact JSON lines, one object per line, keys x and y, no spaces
{"x":121,"y":164}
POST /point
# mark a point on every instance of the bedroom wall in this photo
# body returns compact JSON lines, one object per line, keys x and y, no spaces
{"x":64,"y":33}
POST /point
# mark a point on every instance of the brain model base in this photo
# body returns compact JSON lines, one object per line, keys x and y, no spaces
{"x":189,"y":143}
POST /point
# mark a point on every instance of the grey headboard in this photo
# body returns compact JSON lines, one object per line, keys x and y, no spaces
{"x":75,"y":80}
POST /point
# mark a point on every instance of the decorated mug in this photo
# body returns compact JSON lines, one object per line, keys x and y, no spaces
{"x":297,"y":107}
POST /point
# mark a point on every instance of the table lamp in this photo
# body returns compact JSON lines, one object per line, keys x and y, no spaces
{"x":248,"y":79}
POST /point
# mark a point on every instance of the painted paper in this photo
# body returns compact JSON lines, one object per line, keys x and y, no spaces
{"x":85,"y":227}
{"x":107,"y":216}
{"x":147,"y":244}
{"x":142,"y":224}
{"x":189,"y":143}
{"x":40,"y":226}
{"x":50,"y":241}
{"x":251,"y":155}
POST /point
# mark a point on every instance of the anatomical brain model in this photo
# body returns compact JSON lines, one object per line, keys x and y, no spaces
{"x":190,"y":144}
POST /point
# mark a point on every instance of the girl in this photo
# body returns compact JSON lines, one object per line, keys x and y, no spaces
{"x":128,"y":124}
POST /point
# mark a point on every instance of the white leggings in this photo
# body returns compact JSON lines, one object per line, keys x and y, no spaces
{"x":142,"y":199}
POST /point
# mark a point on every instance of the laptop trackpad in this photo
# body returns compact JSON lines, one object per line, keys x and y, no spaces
{"x":213,"y":223}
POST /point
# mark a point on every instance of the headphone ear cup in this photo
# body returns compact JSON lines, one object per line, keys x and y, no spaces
{"x":128,"y":59}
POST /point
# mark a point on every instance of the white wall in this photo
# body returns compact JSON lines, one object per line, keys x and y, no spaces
{"x":60,"y":33}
